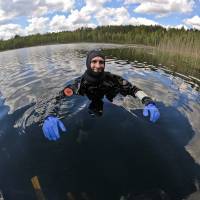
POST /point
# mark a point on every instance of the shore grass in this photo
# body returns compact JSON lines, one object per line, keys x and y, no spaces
{"x":177,"y":61}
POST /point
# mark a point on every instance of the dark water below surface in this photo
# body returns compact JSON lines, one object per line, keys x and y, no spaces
{"x":117,"y":153}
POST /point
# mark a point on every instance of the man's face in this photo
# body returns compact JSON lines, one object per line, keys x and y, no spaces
{"x":97,"y":64}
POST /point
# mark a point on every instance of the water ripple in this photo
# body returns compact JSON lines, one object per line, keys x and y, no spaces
{"x":30,"y":78}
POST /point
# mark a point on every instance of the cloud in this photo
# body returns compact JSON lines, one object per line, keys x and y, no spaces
{"x":16,"y":8}
{"x":37,"y":25}
{"x":35,"y":9}
{"x":193,"y":22}
{"x":97,"y":3}
{"x":58,"y":23}
{"x":179,"y":26}
{"x":5,"y":16}
{"x":59,"y":5}
{"x":91,"y":7}
{"x":120,"y":16}
{"x":10,"y":30}
{"x":74,"y":21}
{"x":112,"y":16}
{"x":66,"y":17}
{"x":142,"y":21}
{"x":162,"y":7}
{"x":78,"y":18}
{"x":32,"y":8}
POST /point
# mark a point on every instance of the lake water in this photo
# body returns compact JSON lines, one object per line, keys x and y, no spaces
{"x":113,"y":155}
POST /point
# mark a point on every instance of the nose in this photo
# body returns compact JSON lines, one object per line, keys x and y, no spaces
{"x":98,"y":64}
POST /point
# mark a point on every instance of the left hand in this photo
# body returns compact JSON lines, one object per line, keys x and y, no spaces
{"x":153,"y":110}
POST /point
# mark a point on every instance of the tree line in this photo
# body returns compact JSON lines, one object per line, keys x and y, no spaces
{"x":167,"y":39}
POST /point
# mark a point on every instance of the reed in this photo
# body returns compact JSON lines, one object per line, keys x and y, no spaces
{"x":187,"y":46}
{"x":175,"y":61}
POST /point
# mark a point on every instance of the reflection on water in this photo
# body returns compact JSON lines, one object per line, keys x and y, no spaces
{"x":177,"y":63}
{"x":120,"y":151}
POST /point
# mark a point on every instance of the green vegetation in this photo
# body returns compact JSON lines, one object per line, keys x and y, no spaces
{"x":170,"y":44}
{"x":158,"y":36}
{"x":152,"y":56}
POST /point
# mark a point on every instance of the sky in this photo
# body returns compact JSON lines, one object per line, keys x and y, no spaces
{"x":26,"y":17}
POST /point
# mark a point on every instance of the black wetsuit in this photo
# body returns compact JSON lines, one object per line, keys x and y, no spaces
{"x":109,"y":86}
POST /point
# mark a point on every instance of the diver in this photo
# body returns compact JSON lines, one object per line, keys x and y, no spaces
{"x":96,"y":83}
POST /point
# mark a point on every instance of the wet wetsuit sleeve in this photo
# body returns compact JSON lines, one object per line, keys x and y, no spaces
{"x":51,"y":106}
{"x":126,"y":88}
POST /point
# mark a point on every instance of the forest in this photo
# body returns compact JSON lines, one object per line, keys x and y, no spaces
{"x":182,"y":41}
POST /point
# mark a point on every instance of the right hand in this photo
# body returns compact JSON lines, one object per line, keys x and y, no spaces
{"x":51,"y":128}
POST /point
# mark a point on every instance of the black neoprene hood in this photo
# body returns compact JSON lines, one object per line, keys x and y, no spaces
{"x":92,"y":54}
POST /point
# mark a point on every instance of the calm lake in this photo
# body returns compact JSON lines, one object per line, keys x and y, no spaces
{"x":112,"y":155}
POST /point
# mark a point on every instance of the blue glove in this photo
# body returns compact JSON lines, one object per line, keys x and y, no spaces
{"x":51,"y":127}
{"x":153,"y":110}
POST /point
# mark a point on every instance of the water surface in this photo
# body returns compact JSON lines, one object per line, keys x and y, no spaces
{"x":120,"y":151}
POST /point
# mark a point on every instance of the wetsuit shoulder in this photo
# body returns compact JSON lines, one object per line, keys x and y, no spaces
{"x":73,"y":81}
{"x":74,"y":84}
{"x":111,"y":76}
{"x":118,"y":80}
